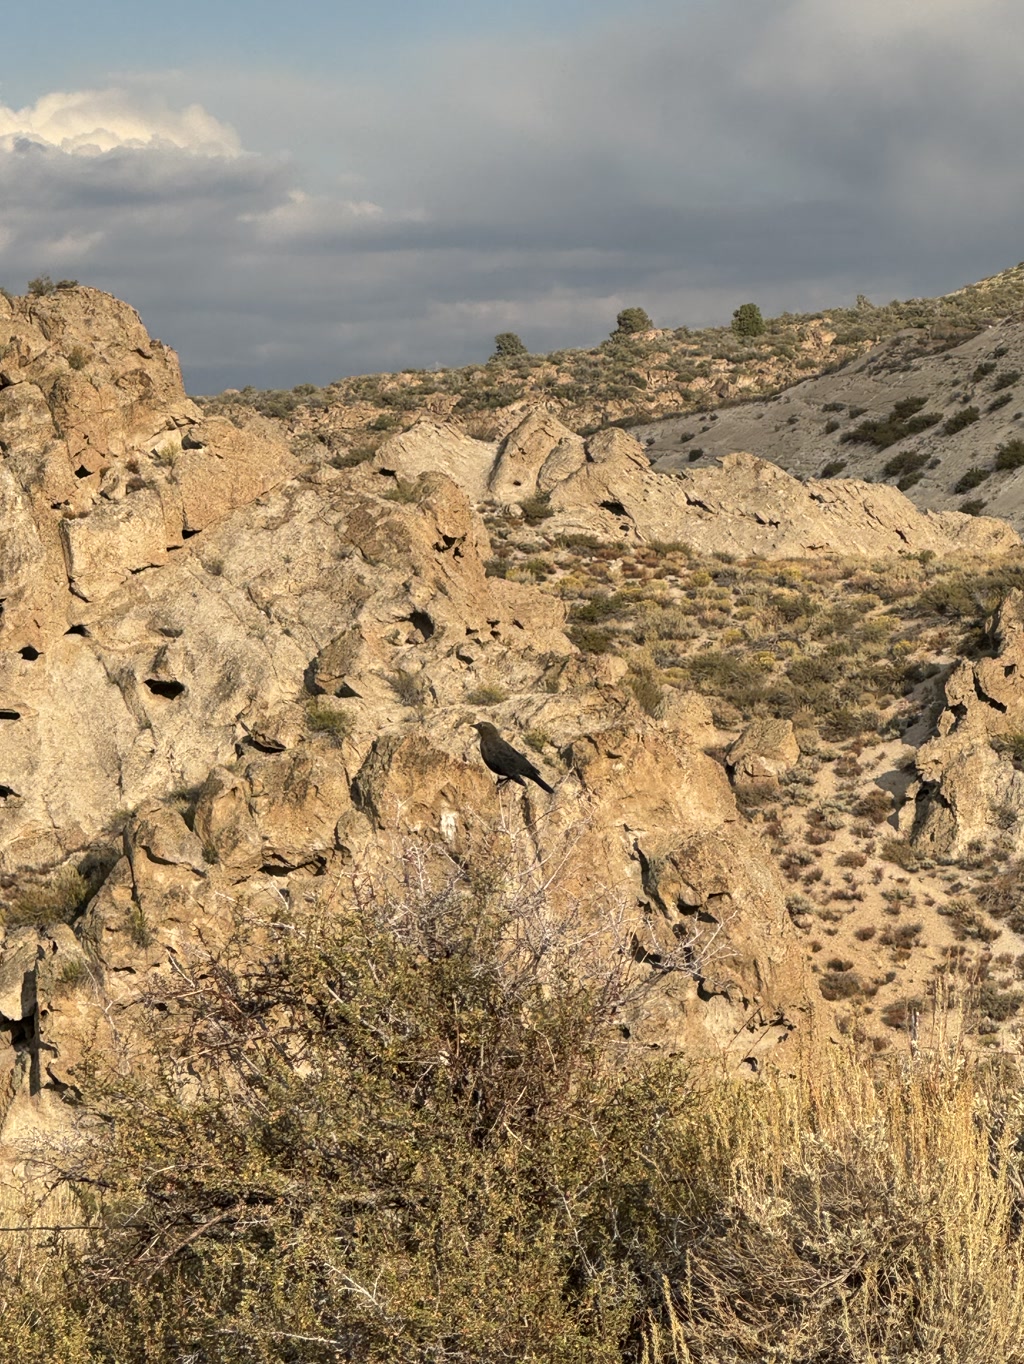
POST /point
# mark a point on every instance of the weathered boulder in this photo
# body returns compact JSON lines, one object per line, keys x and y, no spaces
{"x":970,"y":788}
{"x":765,"y":751}
{"x":525,"y":452}
{"x":438,"y":447}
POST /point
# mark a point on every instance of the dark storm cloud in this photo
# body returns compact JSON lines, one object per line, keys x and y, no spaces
{"x":685,"y":160}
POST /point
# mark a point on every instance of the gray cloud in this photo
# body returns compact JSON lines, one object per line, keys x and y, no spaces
{"x":795,"y":153}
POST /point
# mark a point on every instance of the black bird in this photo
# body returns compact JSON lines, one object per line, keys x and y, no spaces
{"x":504,"y":761}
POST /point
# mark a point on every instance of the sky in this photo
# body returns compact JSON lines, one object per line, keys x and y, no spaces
{"x":289,"y":194}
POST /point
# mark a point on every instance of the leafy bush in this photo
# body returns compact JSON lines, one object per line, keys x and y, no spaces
{"x":323,"y":718}
{"x":747,"y":320}
{"x":832,"y":468}
{"x":983,"y":370}
{"x":905,"y":419}
{"x":974,"y":506}
{"x":1010,"y":454}
{"x":971,"y":479}
{"x":631,"y":321}
{"x":507,"y":346}
{"x":831,"y":426}
{"x":40,"y":286}
{"x":1005,"y":380}
{"x":967,"y":416}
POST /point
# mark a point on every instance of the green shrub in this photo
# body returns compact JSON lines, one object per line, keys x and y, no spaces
{"x":508,"y":346}
{"x":58,"y":900}
{"x":831,"y":426}
{"x":40,"y":286}
{"x":631,"y":321}
{"x":983,"y":370}
{"x":832,"y":468}
{"x":323,"y":718}
{"x":971,"y":479}
{"x":904,"y":419}
{"x":967,"y":416}
{"x":487,"y":695}
{"x":747,"y":320}
{"x":536,"y":508}
{"x":974,"y":506}
{"x":1005,"y":380}
{"x":1010,"y":454}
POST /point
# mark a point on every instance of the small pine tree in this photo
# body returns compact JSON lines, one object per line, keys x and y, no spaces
{"x":632,"y":320}
{"x":507,"y":346}
{"x":747,"y":320}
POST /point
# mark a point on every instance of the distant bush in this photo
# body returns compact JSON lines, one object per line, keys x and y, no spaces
{"x":831,"y":426}
{"x":967,"y":416}
{"x":747,"y":320}
{"x":833,"y":467}
{"x":905,"y":419}
{"x":1005,"y":380}
{"x":974,"y":506}
{"x":507,"y":345}
{"x":1010,"y":455}
{"x":632,"y":320}
{"x":41,"y":286}
{"x":999,"y":402}
{"x":983,"y":370}
{"x":971,"y":479}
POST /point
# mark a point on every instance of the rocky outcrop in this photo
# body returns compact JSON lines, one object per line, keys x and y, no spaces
{"x":970,"y":787}
{"x":748,"y":506}
{"x":605,"y":487}
{"x":198,"y":728}
{"x":107,"y":467}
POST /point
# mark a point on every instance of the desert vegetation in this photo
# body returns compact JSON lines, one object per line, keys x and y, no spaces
{"x":639,"y":373}
{"x":413,"y":1132}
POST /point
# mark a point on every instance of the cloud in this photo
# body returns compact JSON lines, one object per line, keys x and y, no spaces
{"x":90,"y":122}
{"x":686,"y":158}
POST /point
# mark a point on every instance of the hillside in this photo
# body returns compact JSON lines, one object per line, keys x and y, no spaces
{"x":318,"y":1043}
{"x":629,"y":378}
{"x":947,"y":429}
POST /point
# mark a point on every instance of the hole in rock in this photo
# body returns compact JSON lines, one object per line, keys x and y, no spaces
{"x":159,"y":687}
{"x":170,"y":631}
{"x":345,"y":692}
{"x":10,"y":714}
{"x":616,"y":508}
{"x":29,"y":654}
{"x":422,"y":622}
{"x":81,"y":472}
{"x":78,"y":630}
{"x":6,"y":792}
{"x":187,"y":534}
{"x":21,"y":1033}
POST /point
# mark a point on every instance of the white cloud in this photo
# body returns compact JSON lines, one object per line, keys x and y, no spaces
{"x":90,"y":122}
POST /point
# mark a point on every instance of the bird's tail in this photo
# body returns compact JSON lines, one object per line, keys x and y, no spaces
{"x":544,"y":786}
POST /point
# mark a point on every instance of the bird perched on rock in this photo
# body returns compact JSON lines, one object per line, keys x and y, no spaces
{"x":504,"y":761}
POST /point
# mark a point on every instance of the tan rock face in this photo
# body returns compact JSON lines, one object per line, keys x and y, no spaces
{"x":970,"y":789}
{"x":107,"y":467}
